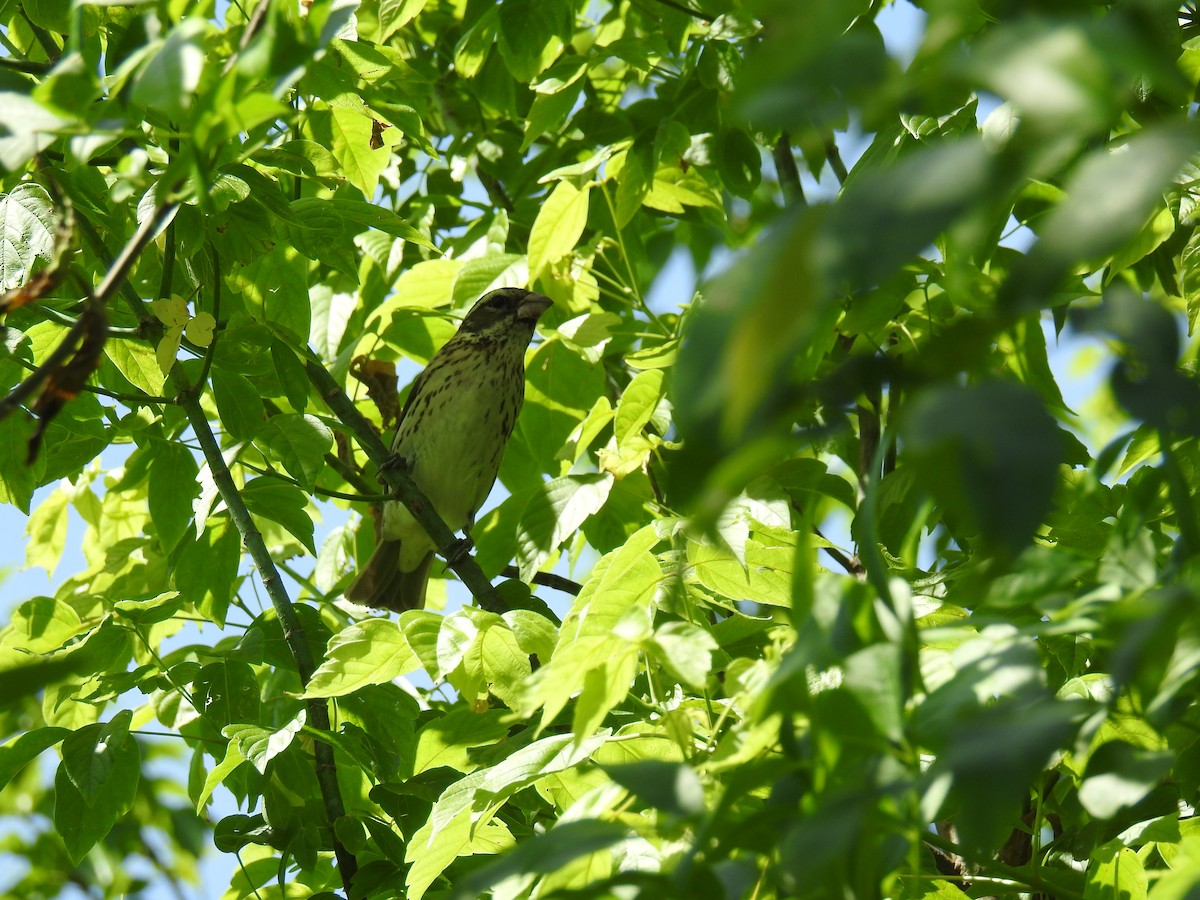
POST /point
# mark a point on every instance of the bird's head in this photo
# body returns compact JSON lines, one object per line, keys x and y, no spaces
{"x":506,"y":310}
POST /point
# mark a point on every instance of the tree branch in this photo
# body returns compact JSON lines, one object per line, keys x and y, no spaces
{"x":293,"y":631}
{"x":789,"y":174}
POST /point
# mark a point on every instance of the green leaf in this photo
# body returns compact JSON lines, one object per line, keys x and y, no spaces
{"x":239,"y":404}
{"x":82,"y":821}
{"x":360,"y":163}
{"x":47,"y":533}
{"x":1119,"y":776}
{"x":373,"y":651}
{"x":482,"y":274}
{"x":550,"y":113}
{"x":299,"y":442}
{"x":89,"y":755}
{"x":282,"y":503}
{"x":544,"y":853}
{"x":227,"y":693}
{"x":558,"y":226}
{"x":275,"y":288}
{"x":362,"y":215}
{"x":136,"y":361}
{"x":535,"y":634}
{"x":1115,"y":873}
{"x":17,"y":477}
{"x":638,"y":402}
{"x":430,"y":857}
{"x":532,"y":763}
{"x":455,"y":637}
{"x":27,"y":225}
{"x":206,"y":571}
{"x":395,"y":14}
{"x":217,"y":774}
{"x":169,"y":80}
{"x":44,"y":624}
{"x":620,"y":589}
{"x":686,"y":649}
{"x":153,"y":609}
{"x":290,"y":372}
{"x":764,"y":577}
{"x":476,"y":42}
{"x":502,"y":664}
{"x":26,"y":128}
{"x":554,"y":513}
{"x":529,"y":40}
{"x":971,"y":444}
{"x":259,"y":745}
{"x":22,"y":750}
{"x":173,"y":486}
{"x":449,"y":739}
{"x":672,"y":787}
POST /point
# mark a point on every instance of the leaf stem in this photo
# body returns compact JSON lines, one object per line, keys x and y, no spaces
{"x":633,"y":285}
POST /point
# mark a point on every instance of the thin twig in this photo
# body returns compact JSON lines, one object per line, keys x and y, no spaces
{"x":353,"y":478}
{"x":128,"y":294}
{"x":687,"y":10}
{"x":26,"y":66}
{"x":216,"y":314}
{"x":547,"y":579}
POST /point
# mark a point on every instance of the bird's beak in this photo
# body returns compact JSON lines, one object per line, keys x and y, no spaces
{"x":533,"y":306}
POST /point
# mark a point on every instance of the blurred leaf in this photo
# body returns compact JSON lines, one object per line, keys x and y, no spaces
{"x":1119,"y":776}
{"x":169,"y":79}
{"x":545,"y":853}
{"x":971,"y":445}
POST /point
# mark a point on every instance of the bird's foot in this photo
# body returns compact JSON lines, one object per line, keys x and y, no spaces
{"x":395,"y":462}
{"x":459,"y":550}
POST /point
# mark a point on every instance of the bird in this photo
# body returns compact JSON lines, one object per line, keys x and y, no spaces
{"x":450,"y":437}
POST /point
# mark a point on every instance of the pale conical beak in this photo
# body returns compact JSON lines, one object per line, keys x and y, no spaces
{"x":533,"y":306}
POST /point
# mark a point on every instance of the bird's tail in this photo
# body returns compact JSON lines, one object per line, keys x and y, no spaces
{"x":382,"y":584}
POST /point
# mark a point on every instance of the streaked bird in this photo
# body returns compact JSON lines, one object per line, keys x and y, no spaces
{"x":451,"y":437}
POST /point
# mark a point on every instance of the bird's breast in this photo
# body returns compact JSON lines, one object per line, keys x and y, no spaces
{"x":453,"y":435}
